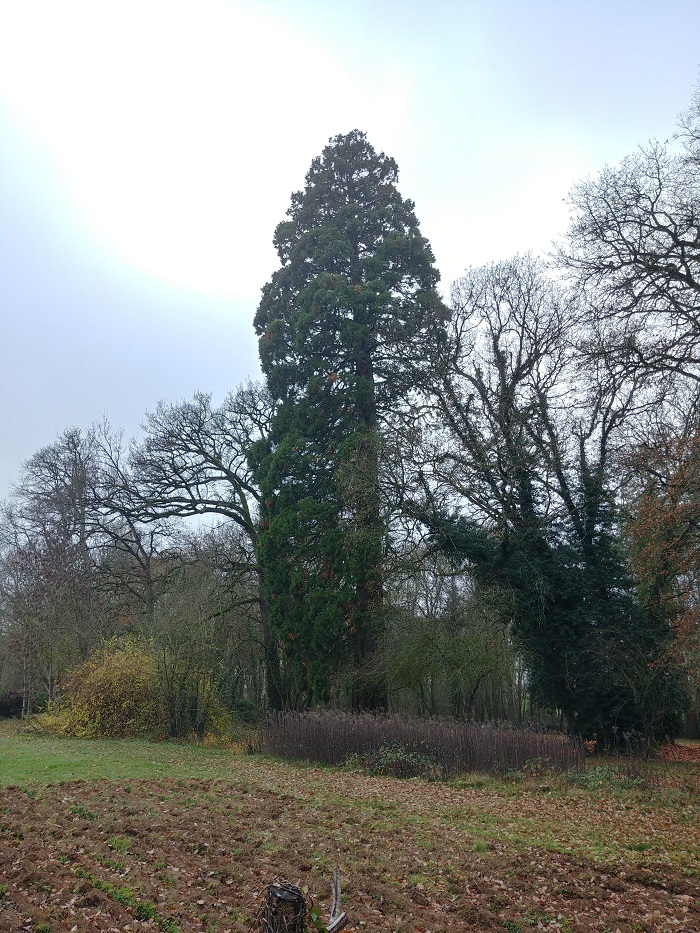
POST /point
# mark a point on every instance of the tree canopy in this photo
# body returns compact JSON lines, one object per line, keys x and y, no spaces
{"x":488,"y":509}
{"x":347,"y":326}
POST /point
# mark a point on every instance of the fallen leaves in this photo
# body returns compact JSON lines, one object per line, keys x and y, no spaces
{"x":682,"y":751}
{"x":414,"y":856}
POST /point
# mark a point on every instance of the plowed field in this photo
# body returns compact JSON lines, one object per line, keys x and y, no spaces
{"x":196,"y":855}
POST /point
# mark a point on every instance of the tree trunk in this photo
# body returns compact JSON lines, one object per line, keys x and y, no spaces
{"x":284,"y":910}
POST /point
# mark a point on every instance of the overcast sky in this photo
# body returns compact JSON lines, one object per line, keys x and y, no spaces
{"x":148,"y":149}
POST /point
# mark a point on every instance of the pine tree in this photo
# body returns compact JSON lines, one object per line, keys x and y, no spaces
{"x":347,"y":326}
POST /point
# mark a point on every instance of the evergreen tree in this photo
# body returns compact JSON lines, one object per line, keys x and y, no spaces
{"x":347,"y":326}
{"x":591,"y":650}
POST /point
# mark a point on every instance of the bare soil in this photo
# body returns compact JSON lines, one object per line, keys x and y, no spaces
{"x":194,"y":855}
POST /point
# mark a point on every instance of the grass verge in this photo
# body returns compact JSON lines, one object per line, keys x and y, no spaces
{"x":29,"y":756}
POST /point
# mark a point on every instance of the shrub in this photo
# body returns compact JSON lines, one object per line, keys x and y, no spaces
{"x":216,"y":730}
{"x":190,"y":699}
{"x":249,"y":714}
{"x":114,"y":693}
{"x":127,"y":690}
{"x":10,"y":704}
{"x":401,"y":762}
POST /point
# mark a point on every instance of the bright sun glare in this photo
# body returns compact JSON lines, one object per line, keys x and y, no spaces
{"x":169,"y":120}
{"x":178,"y":130}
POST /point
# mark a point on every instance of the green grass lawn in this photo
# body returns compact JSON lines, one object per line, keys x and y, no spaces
{"x":31,"y":757}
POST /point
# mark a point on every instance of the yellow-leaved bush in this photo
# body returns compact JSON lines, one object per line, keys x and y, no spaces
{"x":129,"y":688}
{"x":115,"y":693}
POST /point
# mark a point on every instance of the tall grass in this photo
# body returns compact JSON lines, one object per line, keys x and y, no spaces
{"x":453,"y":747}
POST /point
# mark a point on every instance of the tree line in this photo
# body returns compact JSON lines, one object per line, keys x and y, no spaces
{"x":486,"y":507}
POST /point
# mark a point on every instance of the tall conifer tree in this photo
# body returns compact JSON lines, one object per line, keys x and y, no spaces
{"x":347,"y":326}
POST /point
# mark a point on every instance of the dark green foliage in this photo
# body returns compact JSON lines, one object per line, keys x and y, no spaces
{"x":530,"y":440}
{"x":357,"y":284}
{"x":591,"y":650}
{"x":10,"y":704}
{"x":345,"y":326}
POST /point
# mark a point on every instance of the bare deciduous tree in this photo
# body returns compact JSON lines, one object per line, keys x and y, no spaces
{"x":634,"y":249}
{"x":194,"y":461}
{"x":525,"y":480}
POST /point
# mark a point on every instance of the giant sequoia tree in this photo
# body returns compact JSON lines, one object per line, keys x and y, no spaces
{"x":346,"y":325}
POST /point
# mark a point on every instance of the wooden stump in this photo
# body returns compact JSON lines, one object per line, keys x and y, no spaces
{"x":284,"y":910}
